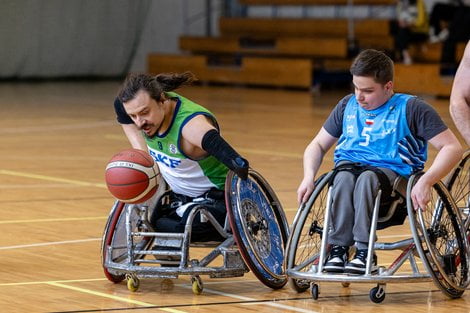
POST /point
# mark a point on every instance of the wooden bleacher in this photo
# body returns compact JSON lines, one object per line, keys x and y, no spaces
{"x":284,"y":52}
{"x":300,"y":27}
{"x":425,"y":77}
{"x":421,"y":79}
{"x":262,"y":51}
{"x":280,"y":46}
{"x":431,"y":52}
{"x":296,"y":73}
{"x":367,"y":32}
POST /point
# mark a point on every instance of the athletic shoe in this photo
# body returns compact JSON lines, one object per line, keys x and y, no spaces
{"x":358,"y":263}
{"x":338,"y":257}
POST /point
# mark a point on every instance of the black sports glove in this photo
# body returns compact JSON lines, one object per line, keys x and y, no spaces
{"x":240,"y":167}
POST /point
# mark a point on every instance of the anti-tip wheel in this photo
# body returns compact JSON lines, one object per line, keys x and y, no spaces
{"x":314,"y":291}
{"x":377,"y":294}
{"x":196,"y":285}
{"x":133,"y":283}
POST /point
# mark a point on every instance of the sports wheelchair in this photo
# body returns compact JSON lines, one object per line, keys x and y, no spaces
{"x":438,"y":239}
{"x":254,"y":237}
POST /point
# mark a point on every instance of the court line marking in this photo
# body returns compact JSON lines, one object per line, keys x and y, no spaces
{"x":291,"y":210}
{"x":42,"y":244}
{"x":51,"y":157}
{"x":116,"y":298}
{"x":65,"y":219}
{"x":104,"y":279}
{"x":100,"y":294}
{"x":52,"y":128}
{"x":35,"y":186}
{"x":271,"y":153}
{"x":261,"y":302}
{"x":115,"y":137}
{"x":246,"y":150}
{"x":52,"y":281}
{"x":51,"y":178}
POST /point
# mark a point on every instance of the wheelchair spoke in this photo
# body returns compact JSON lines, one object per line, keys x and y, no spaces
{"x":259,"y":227}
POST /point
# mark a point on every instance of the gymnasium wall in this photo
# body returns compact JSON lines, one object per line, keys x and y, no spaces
{"x":83,"y":38}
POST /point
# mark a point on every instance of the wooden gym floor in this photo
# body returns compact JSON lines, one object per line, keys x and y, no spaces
{"x":56,"y":139}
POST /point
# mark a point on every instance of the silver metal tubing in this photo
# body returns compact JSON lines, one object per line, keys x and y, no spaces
{"x":379,"y":278}
{"x":326,"y":226}
{"x":402,"y":244}
{"x":373,"y":228}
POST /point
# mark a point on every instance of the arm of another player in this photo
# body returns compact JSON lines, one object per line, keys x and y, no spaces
{"x":201,"y":134}
{"x":313,"y":156}
{"x":460,"y":96}
{"x":450,"y":153}
{"x":134,"y":135}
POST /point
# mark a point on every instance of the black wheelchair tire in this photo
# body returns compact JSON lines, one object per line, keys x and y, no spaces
{"x":107,"y":240}
{"x":294,"y":256}
{"x":458,"y":185}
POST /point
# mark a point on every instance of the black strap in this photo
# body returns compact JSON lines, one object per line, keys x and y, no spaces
{"x":357,"y":169}
{"x":213,"y":194}
{"x":170,"y":201}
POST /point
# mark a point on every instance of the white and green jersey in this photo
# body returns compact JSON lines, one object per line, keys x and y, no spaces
{"x":184,"y":175}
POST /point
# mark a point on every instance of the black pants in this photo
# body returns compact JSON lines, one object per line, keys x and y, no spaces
{"x":459,"y":31}
{"x":165,"y":218}
{"x":403,"y":37}
{"x":441,"y":12}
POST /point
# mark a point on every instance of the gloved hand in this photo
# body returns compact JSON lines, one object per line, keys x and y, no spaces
{"x":240,"y":167}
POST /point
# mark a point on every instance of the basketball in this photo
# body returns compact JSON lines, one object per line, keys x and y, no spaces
{"x":132,"y":176}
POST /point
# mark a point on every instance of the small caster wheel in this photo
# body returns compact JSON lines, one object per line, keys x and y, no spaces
{"x":196,"y":284}
{"x":133,"y":283}
{"x":377,"y":294}
{"x":314,"y":291}
{"x":345,"y":285}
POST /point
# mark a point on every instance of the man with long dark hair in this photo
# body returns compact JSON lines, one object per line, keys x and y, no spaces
{"x":183,"y":138}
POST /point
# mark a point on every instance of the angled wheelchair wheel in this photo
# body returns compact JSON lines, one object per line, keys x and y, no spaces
{"x":115,"y":235}
{"x":303,"y":248}
{"x":459,"y":187}
{"x":259,"y":226}
{"x":440,"y":240}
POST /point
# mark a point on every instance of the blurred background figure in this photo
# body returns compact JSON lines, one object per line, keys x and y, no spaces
{"x":411,"y":26}
{"x":442,"y":13}
{"x":459,"y":31}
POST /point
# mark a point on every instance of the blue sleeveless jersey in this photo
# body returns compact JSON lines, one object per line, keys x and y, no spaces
{"x":381,"y":137}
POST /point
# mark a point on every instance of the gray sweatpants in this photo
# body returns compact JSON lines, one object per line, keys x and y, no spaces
{"x":352,"y":206}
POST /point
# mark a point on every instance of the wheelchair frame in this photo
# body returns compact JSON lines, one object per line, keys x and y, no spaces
{"x":130,"y":241}
{"x":307,"y":245}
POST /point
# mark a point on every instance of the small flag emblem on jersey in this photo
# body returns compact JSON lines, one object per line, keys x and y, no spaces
{"x":369,"y":121}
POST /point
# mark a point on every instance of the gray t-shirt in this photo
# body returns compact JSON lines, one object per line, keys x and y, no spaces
{"x":423,"y":120}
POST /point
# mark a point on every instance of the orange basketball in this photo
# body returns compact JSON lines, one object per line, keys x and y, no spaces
{"x":131,"y":176}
